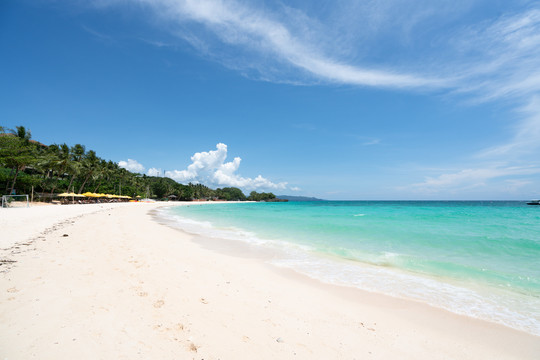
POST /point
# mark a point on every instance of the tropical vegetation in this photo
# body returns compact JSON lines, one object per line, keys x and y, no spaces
{"x":30,"y":167}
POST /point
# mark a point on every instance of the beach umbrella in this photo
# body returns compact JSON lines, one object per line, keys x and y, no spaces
{"x":70,"y":195}
{"x":89,"y":194}
{"x":76,"y":195}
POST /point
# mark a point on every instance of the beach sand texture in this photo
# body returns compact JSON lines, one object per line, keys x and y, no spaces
{"x":109,"y":282}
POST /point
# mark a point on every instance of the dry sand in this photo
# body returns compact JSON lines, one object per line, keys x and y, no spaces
{"x":109,"y":282}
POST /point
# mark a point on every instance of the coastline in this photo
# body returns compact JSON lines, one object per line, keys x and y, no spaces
{"x":122,"y":285}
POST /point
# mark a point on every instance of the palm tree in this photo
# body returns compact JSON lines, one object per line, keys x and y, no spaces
{"x":100,"y":173}
{"x":17,"y":153}
{"x":77,"y":153}
{"x":63,"y":162}
{"x":21,"y":133}
{"x":45,"y":162}
{"x":89,"y":164}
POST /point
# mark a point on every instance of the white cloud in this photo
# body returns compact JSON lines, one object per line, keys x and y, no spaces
{"x":475,"y":178}
{"x":501,"y":58}
{"x":372,"y":142}
{"x":210,"y":168}
{"x":515,"y":158}
{"x":131,"y":165}
{"x":287,"y":37}
{"x":97,"y":34}
{"x":493,"y":58}
{"x":526,"y":135}
{"x":153,"y":172}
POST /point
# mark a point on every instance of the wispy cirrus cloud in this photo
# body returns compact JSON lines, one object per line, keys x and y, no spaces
{"x":496,"y":58}
{"x":525,"y":140}
{"x":499,"y":58}
{"x":271,"y":43}
{"x":492,"y":59}
{"x":97,"y":34}
{"x":475,"y":177}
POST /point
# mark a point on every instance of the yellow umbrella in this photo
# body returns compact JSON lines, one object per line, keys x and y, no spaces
{"x":89,"y":194}
{"x":70,"y":194}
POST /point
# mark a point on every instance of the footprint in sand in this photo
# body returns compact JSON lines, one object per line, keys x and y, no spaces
{"x":159,"y":303}
{"x":12,"y":290}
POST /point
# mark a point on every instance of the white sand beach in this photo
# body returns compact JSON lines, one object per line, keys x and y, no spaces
{"x":107,"y":281}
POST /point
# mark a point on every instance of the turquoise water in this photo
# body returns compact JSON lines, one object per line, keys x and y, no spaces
{"x":480,"y":259}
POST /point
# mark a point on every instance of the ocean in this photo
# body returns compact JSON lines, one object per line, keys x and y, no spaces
{"x":475,"y":258}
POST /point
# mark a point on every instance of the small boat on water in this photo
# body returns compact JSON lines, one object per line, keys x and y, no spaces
{"x":534,"y":202}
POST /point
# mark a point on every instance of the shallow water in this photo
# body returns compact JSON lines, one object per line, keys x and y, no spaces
{"x":479,"y":259}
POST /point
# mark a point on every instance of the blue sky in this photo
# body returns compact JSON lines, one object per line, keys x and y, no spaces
{"x":387,"y":99}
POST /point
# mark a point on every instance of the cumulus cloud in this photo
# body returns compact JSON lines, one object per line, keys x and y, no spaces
{"x":210,"y":168}
{"x":153,"y":172}
{"x":131,"y":165}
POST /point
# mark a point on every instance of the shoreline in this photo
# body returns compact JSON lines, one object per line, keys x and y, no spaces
{"x":477,"y":301}
{"x":122,"y":285}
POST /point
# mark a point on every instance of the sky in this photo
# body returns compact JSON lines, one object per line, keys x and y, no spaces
{"x":341,"y":99}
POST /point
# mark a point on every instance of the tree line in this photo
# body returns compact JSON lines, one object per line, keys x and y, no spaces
{"x":29,"y":166}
